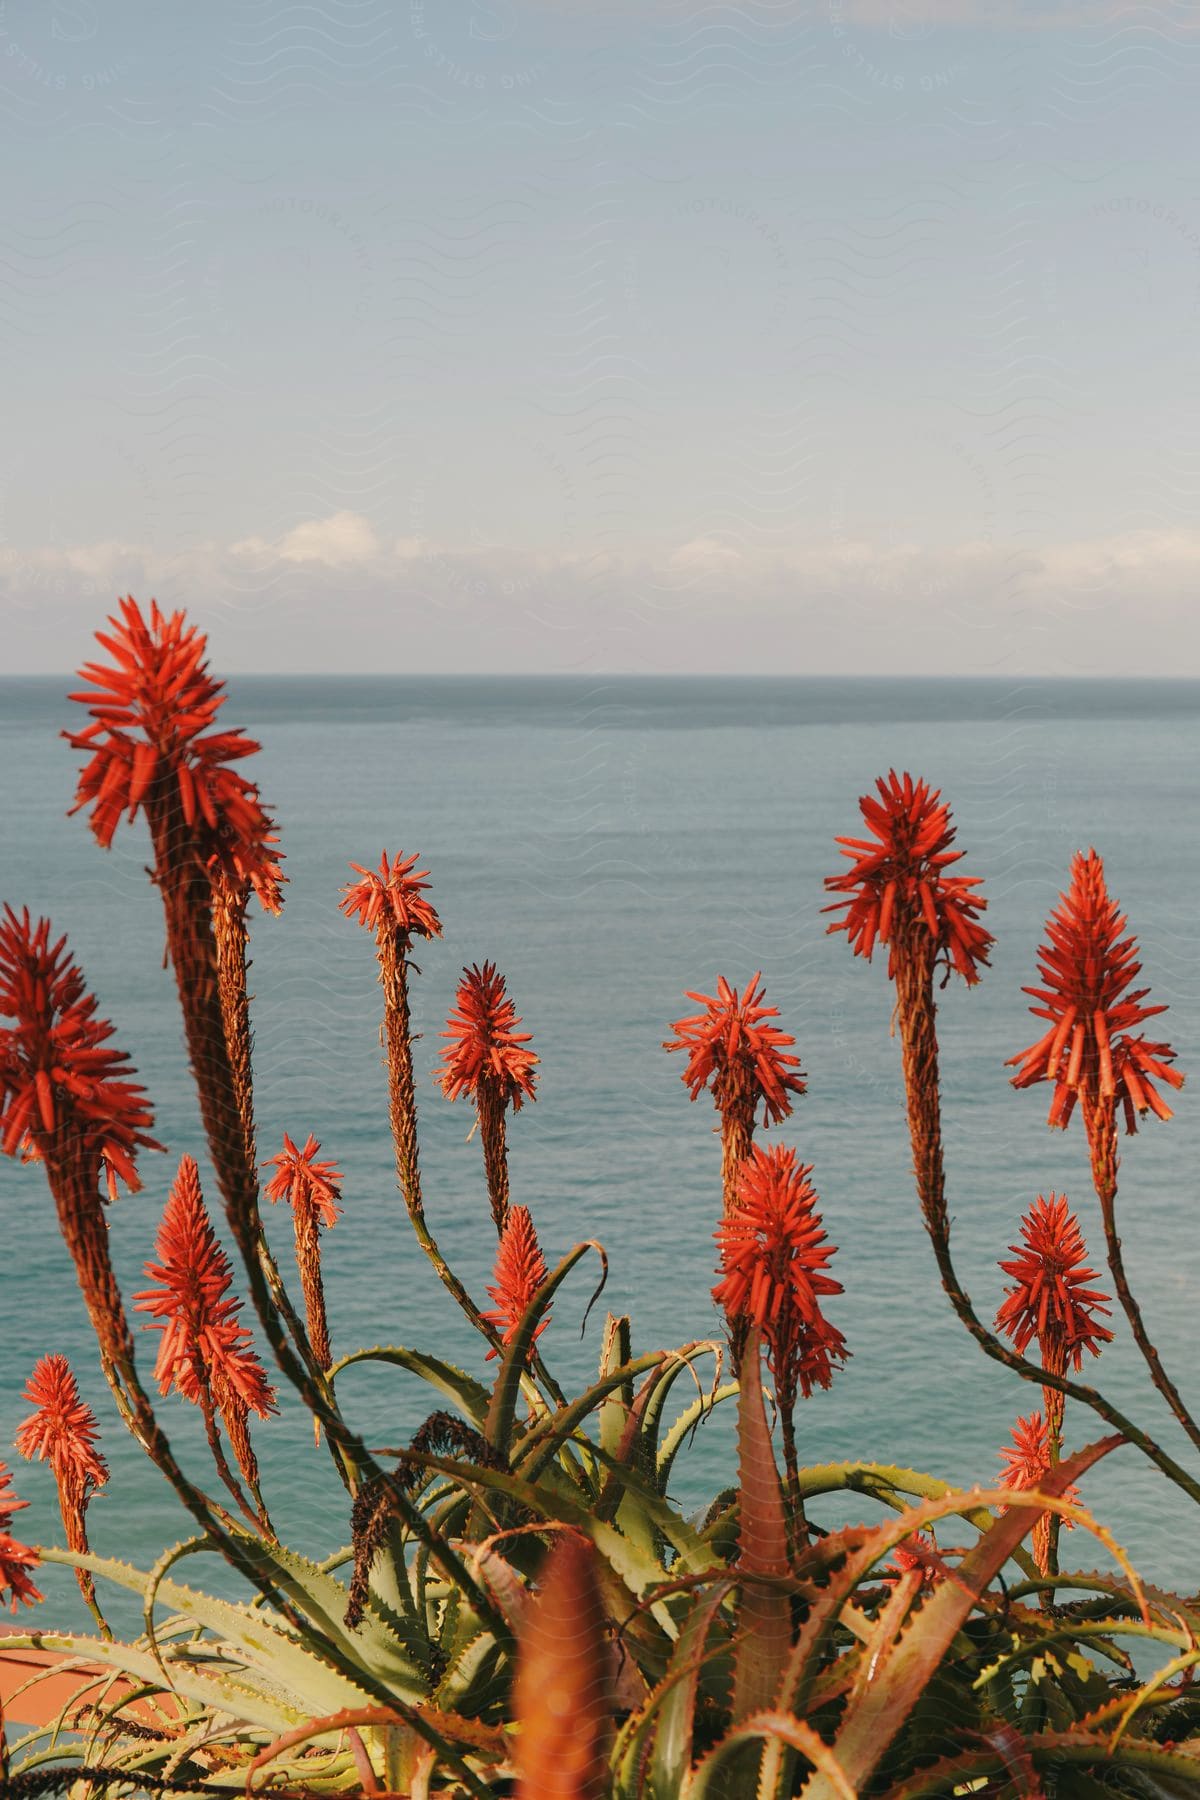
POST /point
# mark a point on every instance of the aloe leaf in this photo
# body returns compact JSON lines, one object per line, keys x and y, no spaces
{"x":616,"y":1349}
{"x":471,"y":1680}
{"x":1167,"y":1773}
{"x":685,"y":1424}
{"x":443,"y":1731}
{"x":679,"y":1363}
{"x":674,"y":1700}
{"x":374,"y":1654}
{"x":218,"y":1693}
{"x":502,"y":1407}
{"x":469,"y":1395}
{"x":886,"y":1482}
{"x":533,"y":1451}
{"x":189,"y":1547}
{"x":764,"y":1619}
{"x":770,"y":1727}
{"x":874,"y":1716}
{"x":551,"y":1504}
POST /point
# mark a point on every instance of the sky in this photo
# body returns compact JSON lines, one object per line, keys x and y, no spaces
{"x":811,"y":336}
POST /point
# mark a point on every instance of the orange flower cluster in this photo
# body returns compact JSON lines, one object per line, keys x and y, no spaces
{"x":774,"y":1263}
{"x":304,"y":1182}
{"x":203,"y":1350}
{"x":16,"y":1559}
{"x":732,"y":1052}
{"x":1089,"y":1052}
{"x":485,"y":1048}
{"x":152,"y":724}
{"x":898,"y":876}
{"x":62,"y":1429}
{"x":1026,"y":1464}
{"x":58,"y":1069}
{"x":313,"y":1190}
{"x":392,"y":899}
{"x":1051,"y":1299}
{"x":520,"y":1271}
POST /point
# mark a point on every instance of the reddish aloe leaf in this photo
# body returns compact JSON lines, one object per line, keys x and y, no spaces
{"x":873,"y":1717}
{"x":563,"y":1687}
{"x":764,"y":1624}
{"x":677,"y":1715}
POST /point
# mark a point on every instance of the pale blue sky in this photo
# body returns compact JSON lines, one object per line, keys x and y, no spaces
{"x":451,"y":335}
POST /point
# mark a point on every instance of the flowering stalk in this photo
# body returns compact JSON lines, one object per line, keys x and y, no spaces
{"x":743,"y":1063}
{"x":488,"y":1060}
{"x":901,"y":895}
{"x":391,"y":902}
{"x":69,"y":1101}
{"x":230,"y":940}
{"x":520,"y":1271}
{"x":897,"y":885}
{"x":67,"y":1098}
{"x":774,"y":1263}
{"x":204,"y":1352}
{"x":62,"y":1431}
{"x":1090,"y":1054}
{"x":1051,"y":1301}
{"x":313,"y":1190}
{"x":152,"y":749}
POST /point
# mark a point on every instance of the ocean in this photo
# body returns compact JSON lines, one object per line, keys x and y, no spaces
{"x":611,"y":843}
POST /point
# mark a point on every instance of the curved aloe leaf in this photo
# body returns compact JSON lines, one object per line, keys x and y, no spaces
{"x":538,"y":1446}
{"x":764,"y":1616}
{"x":220,"y":1693}
{"x":875,"y":1714}
{"x":770,"y":1727}
{"x":674,"y":1700}
{"x":1170,"y":1772}
{"x":469,"y":1395}
{"x":686,"y":1423}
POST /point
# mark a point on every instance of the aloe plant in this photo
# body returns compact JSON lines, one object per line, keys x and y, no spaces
{"x":519,"y":1603}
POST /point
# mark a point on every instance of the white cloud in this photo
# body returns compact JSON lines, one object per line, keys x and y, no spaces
{"x":343,"y":539}
{"x":704,"y":555}
{"x":337,"y":593}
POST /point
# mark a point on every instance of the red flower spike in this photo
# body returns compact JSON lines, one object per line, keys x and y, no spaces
{"x":16,"y":1559}
{"x":520,"y":1271}
{"x":392,"y":899}
{"x":774,"y":1261}
{"x":1089,"y":1052}
{"x":1027,"y":1463}
{"x":152,"y":718}
{"x":731,"y":1050}
{"x":1051,"y":1300}
{"x":57,"y":1067}
{"x":203,"y":1346}
{"x":899,"y":875}
{"x":302,"y":1180}
{"x":62,"y":1430}
{"x":485,"y":1046}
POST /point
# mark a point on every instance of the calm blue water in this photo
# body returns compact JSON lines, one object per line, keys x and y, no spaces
{"x":611,"y":843}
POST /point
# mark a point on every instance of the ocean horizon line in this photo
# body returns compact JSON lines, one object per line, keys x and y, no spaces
{"x":654,"y":676}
